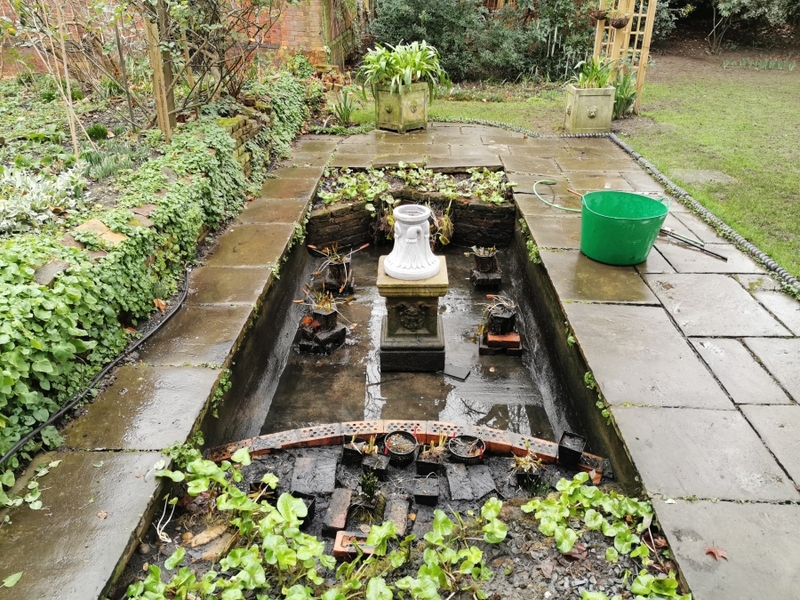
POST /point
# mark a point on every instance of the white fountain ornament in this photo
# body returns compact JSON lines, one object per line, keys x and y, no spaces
{"x":411,"y":257}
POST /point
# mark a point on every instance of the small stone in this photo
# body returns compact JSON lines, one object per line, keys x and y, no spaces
{"x":145,"y":548}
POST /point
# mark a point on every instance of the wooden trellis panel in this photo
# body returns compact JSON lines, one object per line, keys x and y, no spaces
{"x":629,"y":46}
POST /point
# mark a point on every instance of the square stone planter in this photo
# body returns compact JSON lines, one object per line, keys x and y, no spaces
{"x":589,"y":110}
{"x":404,"y":110}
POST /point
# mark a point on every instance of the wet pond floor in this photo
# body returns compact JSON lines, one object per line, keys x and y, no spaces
{"x":519,"y":394}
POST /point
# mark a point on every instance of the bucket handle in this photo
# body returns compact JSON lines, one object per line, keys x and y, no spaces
{"x":666,"y":200}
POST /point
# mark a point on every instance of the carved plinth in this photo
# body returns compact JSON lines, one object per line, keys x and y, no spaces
{"x":412,"y":335}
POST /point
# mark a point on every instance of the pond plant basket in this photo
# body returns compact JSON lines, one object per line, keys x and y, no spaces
{"x":570,"y":448}
{"x":466,"y":449}
{"x":401,"y":446}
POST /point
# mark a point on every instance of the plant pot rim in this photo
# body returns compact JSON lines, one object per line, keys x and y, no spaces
{"x":409,"y":436}
{"x":476,"y":440}
{"x":576,"y":87}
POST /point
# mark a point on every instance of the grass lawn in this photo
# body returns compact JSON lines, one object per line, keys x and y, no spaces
{"x":744,"y":123}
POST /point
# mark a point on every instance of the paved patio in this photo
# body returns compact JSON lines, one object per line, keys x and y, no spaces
{"x":698,"y":360}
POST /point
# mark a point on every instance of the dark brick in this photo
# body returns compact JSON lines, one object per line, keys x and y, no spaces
{"x":336,"y":515}
{"x":314,"y":475}
{"x":459,"y":482}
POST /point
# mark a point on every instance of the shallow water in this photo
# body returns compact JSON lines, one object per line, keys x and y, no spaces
{"x":520,"y":394}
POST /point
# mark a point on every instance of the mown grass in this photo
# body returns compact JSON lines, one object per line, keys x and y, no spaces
{"x":747,"y":126}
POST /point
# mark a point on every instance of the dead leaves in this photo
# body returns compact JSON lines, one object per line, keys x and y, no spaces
{"x":160,"y":304}
{"x":717,"y":552}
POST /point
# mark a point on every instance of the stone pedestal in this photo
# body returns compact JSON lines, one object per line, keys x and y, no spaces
{"x":412,"y":336}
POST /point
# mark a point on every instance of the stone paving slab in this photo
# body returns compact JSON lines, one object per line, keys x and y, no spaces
{"x":490,"y":150}
{"x":711,"y":454}
{"x":701,"y":230}
{"x":642,"y":182}
{"x":742,"y":377}
{"x":315,"y":143}
{"x":524,"y":185}
{"x":590,"y":182}
{"x":713,"y":305}
{"x":295,"y":172}
{"x":459,"y":163}
{"x":782,"y":359}
{"x":783,"y":306}
{"x":197,"y":335}
{"x":687,"y":259}
{"x":597,"y":164}
{"x":354,"y":161}
{"x":252,"y":245}
{"x":779,"y":427}
{"x":539,"y":148}
{"x":146,"y":408}
{"x":94,"y":502}
{"x":553,"y":232}
{"x":760,"y":539}
{"x":530,"y":206}
{"x":310,"y":159}
{"x":637,"y":356}
{"x":273,"y":210}
{"x":525,"y":164}
{"x":228,"y":285}
{"x":654,"y":263}
{"x":290,"y":188}
{"x":581,"y":279}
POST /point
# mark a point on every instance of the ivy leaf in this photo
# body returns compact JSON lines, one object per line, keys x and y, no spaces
{"x":378,"y":590}
{"x":242,"y":456}
{"x":176,"y":558}
{"x":491,"y":509}
{"x":612,"y":555}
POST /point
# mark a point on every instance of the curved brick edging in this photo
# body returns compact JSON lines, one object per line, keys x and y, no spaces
{"x":426,"y":432}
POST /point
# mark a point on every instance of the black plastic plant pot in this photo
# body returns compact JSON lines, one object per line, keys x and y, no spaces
{"x":377,"y":464}
{"x":570,"y":448}
{"x":426,"y":491}
{"x":401,"y":447}
{"x":466,"y":449}
{"x":502,"y":320}
{"x":353,"y":452}
{"x":428,"y":466}
{"x":327,"y":319}
{"x":528,"y":480}
{"x":486,"y":264}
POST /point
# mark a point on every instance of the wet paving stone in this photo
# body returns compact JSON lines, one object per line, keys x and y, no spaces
{"x":273,"y":210}
{"x":187,"y":338}
{"x":782,"y":359}
{"x":701,"y":230}
{"x":356,"y":161}
{"x":146,"y":408}
{"x":638,"y":357}
{"x":779,"y":427}
{"x":315,"y":473}
{"x":530,"y":206}
{"x":654,"y":263}
{"x":745,"y":380}
{"x":783,"y":306}
{"x":713,"y":305}
{"x":90,"y":498}
{"x":252,"y":245}
{"x":459,"y":482}
{"x":760,"y":541}
{"x":316,"y":144}
{"x":526,"y":164}
{"x":524,"y":185}
{"x":226,"y":285}
{"x":455,"y":164}
{"x":296,"y":172}
{"x":641,"y":182}
{"x":682,"y":453}
{"x":590,"y":182}
{"x":598,"y":164}
{"x":581,"y":279}
{"x":553,"y":232}
{"x":290,"y":188}
{"x":687,"y":259}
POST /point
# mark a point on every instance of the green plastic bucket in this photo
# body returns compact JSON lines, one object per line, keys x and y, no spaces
{"x":619,"y":228}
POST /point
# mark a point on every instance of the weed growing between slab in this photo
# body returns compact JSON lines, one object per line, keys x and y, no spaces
{"x":272,"y":558}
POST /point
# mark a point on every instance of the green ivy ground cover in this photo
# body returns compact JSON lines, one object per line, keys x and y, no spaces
{"x":54,"y":339}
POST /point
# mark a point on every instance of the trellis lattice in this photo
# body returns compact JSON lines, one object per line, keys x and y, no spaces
{"x":629,"y":45}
